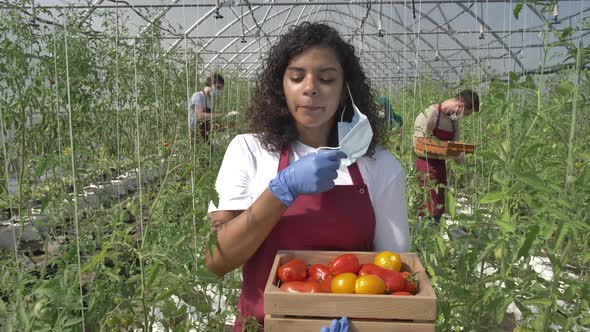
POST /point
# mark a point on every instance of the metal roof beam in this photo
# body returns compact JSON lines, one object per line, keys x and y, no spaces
{"x":190,"y":29}
{"x":498,"y":38}
{"x":394,"y":36}
{"x":287,"y":3}
{"x":267,"y":44}
{"x":464,"y":32}
{"x":157,"y":17}
{"x":88,"y":12}
{"x":237,"y":38}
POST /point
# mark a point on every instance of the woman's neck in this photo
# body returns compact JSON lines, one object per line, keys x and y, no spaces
{"x":448,"y":106}
{"x":314,"y":137}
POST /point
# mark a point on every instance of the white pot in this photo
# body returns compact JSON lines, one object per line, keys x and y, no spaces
{"x":39,"y":220}
{"x":91,"y":189}
{"x":106,"y":189}
{"x":12,"y":229}
{"x":131,"y":177}
{"x":119,"y":187}
{"x":148,"y":175}
{"x":8,"y":233}
{"x":69,"y":206}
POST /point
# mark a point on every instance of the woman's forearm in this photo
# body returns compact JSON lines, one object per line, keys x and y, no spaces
{"x":239,"y":238}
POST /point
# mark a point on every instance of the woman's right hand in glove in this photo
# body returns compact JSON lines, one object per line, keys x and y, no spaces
{"x":311,"y":174}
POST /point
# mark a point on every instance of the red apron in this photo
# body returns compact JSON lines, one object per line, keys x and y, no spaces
{"x":437,"y":174}
{"x":341,"y":219}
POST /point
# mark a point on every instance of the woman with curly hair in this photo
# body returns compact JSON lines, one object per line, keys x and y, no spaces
{"x":311,"y":175}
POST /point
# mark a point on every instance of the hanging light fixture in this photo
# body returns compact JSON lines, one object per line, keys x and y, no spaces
{"x":481,"y":27}
{"x":380,"y":23}
{"x":555,"y":14}
{"x":436,"y":55}
{"x":481,"y":31}
{"x":217,"y":15}
{"x":243,"y":41}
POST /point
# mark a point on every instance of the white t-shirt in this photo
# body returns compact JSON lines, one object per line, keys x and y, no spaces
{"x":426,"y":122}
{"x":197,"y":99}
{"x":247,"y":169}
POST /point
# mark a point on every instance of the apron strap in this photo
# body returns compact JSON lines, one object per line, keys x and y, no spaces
{"x":355,"y":174}
{"x":438,"y":115}
{"x":284,"y":158}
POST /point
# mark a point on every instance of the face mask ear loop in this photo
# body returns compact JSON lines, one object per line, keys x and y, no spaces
{"x":352,"y":100}
{"x":349,"y":93}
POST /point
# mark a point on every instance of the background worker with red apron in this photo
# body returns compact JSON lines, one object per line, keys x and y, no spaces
{"x":311,"y":175}
{"x":440,"y":122}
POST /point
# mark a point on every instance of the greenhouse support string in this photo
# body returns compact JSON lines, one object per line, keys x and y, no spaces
{"x":72,"y":153}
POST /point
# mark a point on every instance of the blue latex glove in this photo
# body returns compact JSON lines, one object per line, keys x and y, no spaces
{"x":311,"y":174}
{"x":337,"y":326}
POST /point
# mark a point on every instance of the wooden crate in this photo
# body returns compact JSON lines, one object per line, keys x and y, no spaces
{"x":301,"y":312}
{"x":430,"y":146}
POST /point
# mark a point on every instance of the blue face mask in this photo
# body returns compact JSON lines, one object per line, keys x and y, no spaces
{"x":215,"y":92}
{"x":354,"y":137}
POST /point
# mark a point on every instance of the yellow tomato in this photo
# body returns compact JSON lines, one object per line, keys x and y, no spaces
{"x":369,"y":284}
{"x":388,"y":260}
{"x":343,"y":283}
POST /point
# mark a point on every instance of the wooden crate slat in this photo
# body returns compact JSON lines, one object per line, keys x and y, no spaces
{"x":293,"y":324}
{"x":426,"y":145}
{"x":418,"y":307}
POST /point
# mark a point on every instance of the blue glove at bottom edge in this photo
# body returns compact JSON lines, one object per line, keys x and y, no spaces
{"x":337,"y":326}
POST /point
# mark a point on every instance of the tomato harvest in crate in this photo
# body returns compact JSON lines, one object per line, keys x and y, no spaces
{"x":377,"y":291}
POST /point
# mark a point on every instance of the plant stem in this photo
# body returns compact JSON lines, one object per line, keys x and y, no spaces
{"x":574,"y":112}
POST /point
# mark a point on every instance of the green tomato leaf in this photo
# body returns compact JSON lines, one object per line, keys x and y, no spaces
{"x":528,"y":242}
{"x":533,"y":181}
{"x":492,"y":197}
{"x":517,"y":9}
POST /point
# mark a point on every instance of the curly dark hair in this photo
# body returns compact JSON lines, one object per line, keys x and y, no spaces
{"x":269,"y":120}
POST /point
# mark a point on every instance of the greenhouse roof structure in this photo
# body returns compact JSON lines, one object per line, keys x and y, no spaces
{"x":396,"y":39}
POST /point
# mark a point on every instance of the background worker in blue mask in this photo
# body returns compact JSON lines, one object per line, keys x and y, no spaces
{"x":311,"y":174}
{"x":202,"y":103}
{"x":392,"y":120}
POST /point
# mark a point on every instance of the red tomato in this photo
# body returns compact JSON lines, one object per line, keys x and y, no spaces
{"x":405,"y":274}
{"x":344,"y":263}
{"x":326,"y":284}
{"x":393,"y":279}
{"x":293,"y":270}
{"x":318,"y":272}
{"x":401,"y":293}
{"x":301,"y":287}
{"x":410,"y":287}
